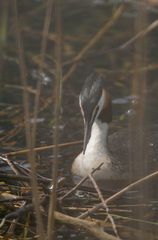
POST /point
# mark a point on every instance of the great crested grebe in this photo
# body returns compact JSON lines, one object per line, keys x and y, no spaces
{"x":112,"y":151}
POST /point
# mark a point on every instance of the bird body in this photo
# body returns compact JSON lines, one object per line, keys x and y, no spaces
{"x":113,"y":151}
{"x":96,"y":153}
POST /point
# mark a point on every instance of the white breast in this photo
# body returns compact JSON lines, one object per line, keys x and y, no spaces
{"x":95,"y":154}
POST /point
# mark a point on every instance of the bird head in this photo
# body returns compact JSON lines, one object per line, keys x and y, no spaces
{"x":95,"y":103}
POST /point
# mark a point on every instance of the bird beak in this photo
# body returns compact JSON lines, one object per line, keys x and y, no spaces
{"x":87,"y":134}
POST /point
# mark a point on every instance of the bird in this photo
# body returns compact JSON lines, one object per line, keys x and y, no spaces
{"x":111,"y":152}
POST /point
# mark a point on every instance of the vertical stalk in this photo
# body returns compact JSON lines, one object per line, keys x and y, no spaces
{"x":138,"y":158}
{"x":58,"y":95}
{"x":139,"y":89}
{"x":47,"y":22}
{"x":23,"y":73}
{"x":4,"y":8}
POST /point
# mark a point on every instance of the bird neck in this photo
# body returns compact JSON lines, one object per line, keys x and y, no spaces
{"x":98,"y":139}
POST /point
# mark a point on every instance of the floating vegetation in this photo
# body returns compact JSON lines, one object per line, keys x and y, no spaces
{"x":98,"y":212}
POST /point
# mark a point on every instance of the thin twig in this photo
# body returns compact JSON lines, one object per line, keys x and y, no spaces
{"x":43,"y":50}
{"x":104,"y":204}
{"x":23,"y":72}
{"x":95,"y":39}
{"x":43,"y":148}
{"x":91,"y":227}
{"x":123,"y":46}
{"x":58,"y":96}
{"x":17,"y":213}
{"x":80,"y":182}
{"x":118,"y":194}
{"x":142,"y":33}
{"x":14,"y":198}
{"x":4,"y":176}
{"x":11,"y":164}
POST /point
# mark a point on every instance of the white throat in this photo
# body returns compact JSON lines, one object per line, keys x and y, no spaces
{"x":98,"y":139}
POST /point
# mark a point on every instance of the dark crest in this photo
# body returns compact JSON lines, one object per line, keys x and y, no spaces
{"x":91,"y":93}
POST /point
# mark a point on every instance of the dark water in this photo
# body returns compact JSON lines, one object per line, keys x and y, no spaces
{"x":80,"y":21}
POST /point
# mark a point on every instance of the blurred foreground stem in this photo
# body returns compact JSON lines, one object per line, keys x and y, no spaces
{"x":58,"y":95}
